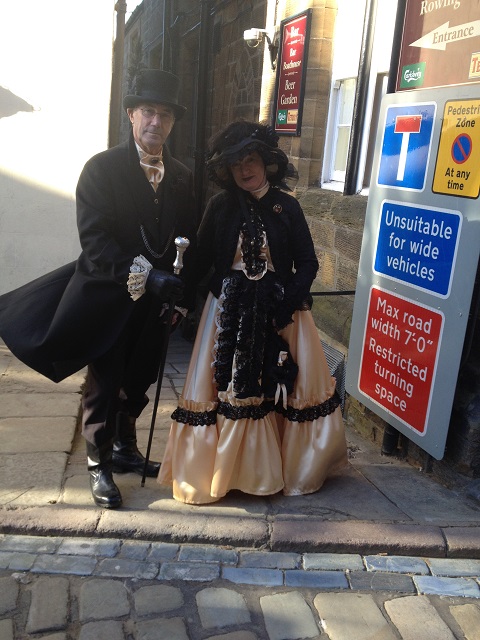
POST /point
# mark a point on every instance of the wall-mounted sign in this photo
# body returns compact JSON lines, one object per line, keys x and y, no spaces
{"x":291,"y":72}
{"x":418,"y":262}
{"x":440,"y":44}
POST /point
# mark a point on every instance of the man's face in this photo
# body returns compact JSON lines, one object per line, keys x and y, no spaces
{"x":151,"y":125}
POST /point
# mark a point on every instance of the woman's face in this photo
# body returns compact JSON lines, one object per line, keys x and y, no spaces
{"x":249,"y":173}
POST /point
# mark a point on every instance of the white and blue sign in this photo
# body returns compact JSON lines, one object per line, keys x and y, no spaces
{"x":406,"y":146}
{"x":418,"y":246}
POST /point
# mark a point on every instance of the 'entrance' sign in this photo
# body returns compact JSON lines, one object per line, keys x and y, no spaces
{"x":440,"y":45}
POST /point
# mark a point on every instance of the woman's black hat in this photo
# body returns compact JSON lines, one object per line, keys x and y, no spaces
{"x":238,"y":140}
{"x":156,"y":86}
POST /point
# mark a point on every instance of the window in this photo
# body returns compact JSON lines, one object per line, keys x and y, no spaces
{"x":344,"y":97}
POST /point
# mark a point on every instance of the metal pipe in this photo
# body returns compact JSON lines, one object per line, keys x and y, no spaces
{"x":361,"y":93}
{"x":117,"y":75}
{"x":390,"y":434}
{"x":396,"y":46}
{"x":166,"y":44}
{"x":202,"y":91}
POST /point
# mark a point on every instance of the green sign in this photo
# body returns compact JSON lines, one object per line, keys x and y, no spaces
{"x":412,"y":76}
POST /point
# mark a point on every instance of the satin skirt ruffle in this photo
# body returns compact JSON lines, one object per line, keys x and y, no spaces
{"x":256,"y":456}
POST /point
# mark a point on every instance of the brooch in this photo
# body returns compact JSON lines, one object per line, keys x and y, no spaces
{"x":277,"y":208}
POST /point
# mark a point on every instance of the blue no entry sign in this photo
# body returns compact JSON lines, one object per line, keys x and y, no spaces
{"x":406,"y":146}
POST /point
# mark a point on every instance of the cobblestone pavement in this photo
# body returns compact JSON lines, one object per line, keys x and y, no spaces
{"x":63,"y":588}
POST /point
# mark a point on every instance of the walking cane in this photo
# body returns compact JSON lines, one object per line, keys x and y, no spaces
{"x":182,"y":245}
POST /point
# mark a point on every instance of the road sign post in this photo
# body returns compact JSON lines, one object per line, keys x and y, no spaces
{"x":418,"y":263}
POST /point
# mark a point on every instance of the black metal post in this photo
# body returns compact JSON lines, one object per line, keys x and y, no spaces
{"x":390,"y":434}
{"x":361,"y":93}
{"x":117,"y":75}
{"x":202,"y":93}
{"x":166,"y":44}
{"x":396,"y":46}
{"x":181,"y":244}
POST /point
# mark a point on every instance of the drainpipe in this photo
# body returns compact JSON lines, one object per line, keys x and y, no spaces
{"x":396,"y":46}
{"x":166,"y":44}
{"x":361,"y":93}
{"x":117,"y":75}
{"x":202,"y":84}
{"x":390,"y":434}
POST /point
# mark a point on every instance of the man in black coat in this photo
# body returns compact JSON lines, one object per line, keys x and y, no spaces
{"x":105,"y":310}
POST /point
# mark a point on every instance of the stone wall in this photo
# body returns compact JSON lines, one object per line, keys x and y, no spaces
{"x":336,"y":223}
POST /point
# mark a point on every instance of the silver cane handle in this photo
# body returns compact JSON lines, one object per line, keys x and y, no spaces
{"x":182,"y":245}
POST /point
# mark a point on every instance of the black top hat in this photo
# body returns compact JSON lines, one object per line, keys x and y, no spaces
{"x":154,"y":85}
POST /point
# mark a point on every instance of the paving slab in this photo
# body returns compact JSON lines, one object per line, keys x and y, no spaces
{"x":416,"y":496}
{"x":468,"y":617}
{"x":56,"y":520}
{"x":345,"y":495}
{"x":463,"y":542}
{"x":30,"y":478}
{"x":365,"y":622}
{"x":353,"y":537}
{"x":26,"y":404}
{"x":416,"y":619}
{"x":38,"y":434}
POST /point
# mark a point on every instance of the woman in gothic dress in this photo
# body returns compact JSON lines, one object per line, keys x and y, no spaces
{"x":259,"y":411}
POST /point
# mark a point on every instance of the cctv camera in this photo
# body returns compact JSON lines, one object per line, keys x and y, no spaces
{"x":253,"y":37}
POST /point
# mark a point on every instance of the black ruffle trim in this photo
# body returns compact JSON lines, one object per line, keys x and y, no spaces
{"x":256,"y":412}
{"x":255,"y":265}
{"x":311,"y":413}
{"x":194,"y":418}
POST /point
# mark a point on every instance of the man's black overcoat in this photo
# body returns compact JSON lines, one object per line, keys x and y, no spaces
{"x":65,"y":319}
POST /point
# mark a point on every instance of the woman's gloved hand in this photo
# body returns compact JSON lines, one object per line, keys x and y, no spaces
{"x":164,"y":285}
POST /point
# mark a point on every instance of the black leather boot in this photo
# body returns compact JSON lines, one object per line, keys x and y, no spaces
{"x":104,"y":490}
{"x":126,"y":456}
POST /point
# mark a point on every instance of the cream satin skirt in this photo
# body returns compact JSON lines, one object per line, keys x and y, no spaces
{"x":260,"y":457}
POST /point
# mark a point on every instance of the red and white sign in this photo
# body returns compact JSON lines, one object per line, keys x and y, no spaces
{"x":291,"y":70}
{"x":400,"y":350}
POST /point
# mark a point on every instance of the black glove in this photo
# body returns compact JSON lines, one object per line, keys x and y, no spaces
{"x":165,"y":285}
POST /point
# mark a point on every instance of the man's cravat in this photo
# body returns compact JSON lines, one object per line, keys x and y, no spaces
{"x":153,"y":167}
